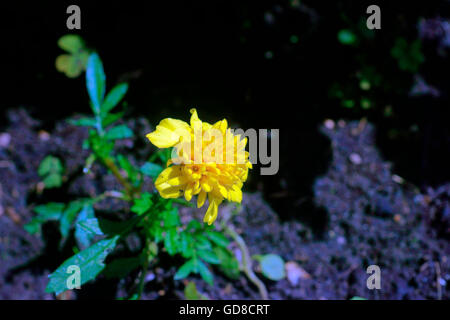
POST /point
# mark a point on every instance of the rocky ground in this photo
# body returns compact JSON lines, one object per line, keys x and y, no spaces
{"x":372,"y":216}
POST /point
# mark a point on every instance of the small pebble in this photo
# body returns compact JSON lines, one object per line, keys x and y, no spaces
{"x":5,"y":139}
{"x":355,"y":158}
{"x":44,"y":135}
{"x":329,"y":124}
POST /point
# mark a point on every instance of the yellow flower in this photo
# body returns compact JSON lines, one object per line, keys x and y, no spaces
{"x":207,"y":160}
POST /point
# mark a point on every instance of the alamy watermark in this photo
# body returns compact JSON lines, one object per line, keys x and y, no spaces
{"x":213,"y":146}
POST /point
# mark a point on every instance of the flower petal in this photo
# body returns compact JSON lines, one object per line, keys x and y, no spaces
{"x":168,"y":133}
{"x":201,"y":199}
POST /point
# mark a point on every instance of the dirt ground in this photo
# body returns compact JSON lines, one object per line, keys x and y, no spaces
{"x":371,"y":216}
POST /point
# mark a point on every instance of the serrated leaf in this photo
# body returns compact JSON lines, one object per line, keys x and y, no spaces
{"x":90,"y":261}
{"x":205,"y":273}
{"x":272,"y":267}
{"x":95,"y":81}
{"x":185,"y":270}
{"x":151,"y":169}
{"x":114,"y":97}
{"x":119,"y":132}
{"x":143,"y":204}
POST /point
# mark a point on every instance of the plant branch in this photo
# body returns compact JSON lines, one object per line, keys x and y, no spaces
{"x":246,"y":261}
{"x":109,"y":163}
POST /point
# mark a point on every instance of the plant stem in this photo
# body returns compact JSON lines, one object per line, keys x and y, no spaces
{"x":246,"y":261}
{"x":109,"y":163}
{"x":144,"y":268}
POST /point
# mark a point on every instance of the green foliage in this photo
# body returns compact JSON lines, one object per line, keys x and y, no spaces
{"x":151,"y":169}
{"x":51,"y":170}
{"x":346,"y":37}
{"x":191,"y":292}
{"x":156,"y":220}
{"x":73,"y":63}
{"x":357,"y":298}
{"x":409,"y":55}
{"x":90,"y":261}
{"x":272,"y":266}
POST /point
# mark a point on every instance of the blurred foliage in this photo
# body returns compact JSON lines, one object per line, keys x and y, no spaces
{"x":73,"y":63}
{"x":51,"y":170}
{"x":409,"y":55}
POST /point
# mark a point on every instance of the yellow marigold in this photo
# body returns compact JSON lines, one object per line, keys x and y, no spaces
{"x":206,"y":160}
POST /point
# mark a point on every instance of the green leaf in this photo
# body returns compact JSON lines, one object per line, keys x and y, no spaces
{"x":205,"y":273}
{"x":33,"y":227}
{"x":191,"y":292}
{"x":49,"y":211}
{"x":114,"y":97}
{"x":120,"y":268}
{"x":185,"y":245}
{"x":218,"y":238}
{"x":53,"y":180}
{"x":119,"y":132}
{"x":358,"y":298}
{"x":83,"y":236}
{"x":194,"y":224}
{"x":90,"y":226}
{"x":170,"y":241}
{"x":84,"y":122}
{"x":272,"y":267}
{"x":151,"y":169}
{"x":346,"y":36}
{"x":111,"y":118}
{"x":171,"y":218}
{"x":95,"y":81}
{"x":71,"y":43}
{"x":229,"y":265}
{"x":143,"y":204}
{"x":69,"y":216}
{"x":201,"y":242}
{"x":51,"y":170}
{"x":208,"y":256}
{"x":117,"y":227}
{"x":128,"y":167}
{"x":90,"y":261}
{"x":185,"y":270}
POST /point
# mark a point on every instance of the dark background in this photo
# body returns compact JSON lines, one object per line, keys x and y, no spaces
{"x":214,"y":55}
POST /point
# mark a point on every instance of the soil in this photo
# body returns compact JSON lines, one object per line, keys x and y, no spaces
{"x":364,"y":215}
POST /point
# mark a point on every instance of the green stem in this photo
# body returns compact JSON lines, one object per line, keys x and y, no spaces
{"x":109,"y":163}
{"x":246,"y":262}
